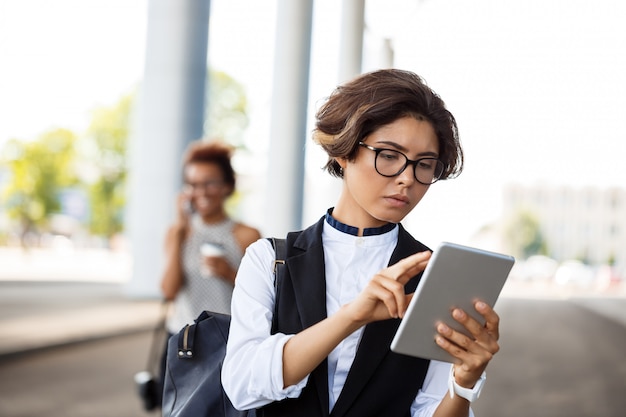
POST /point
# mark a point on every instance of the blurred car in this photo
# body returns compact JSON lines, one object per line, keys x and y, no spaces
{"x":535,"y":268}
{"x":540,"y":267}
{"x":574,"y":272}
{"x":607,"y":276}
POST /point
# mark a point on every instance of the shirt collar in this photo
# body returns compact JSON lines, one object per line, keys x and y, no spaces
{"x":351,"y":230}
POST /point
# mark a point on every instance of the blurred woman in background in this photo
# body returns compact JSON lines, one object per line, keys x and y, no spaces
{"x":204,"y":245}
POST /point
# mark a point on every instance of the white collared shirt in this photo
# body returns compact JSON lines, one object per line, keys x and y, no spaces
{"x":253,"y":369}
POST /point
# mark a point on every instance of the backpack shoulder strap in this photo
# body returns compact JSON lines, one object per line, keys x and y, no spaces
{"x":279,"y":261}
{"x":279,"y":273}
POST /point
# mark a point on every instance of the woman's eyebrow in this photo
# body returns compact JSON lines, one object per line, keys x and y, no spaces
{"x":393,"y":145}
{"x":428,"y":154}
{"x":405,"y":150}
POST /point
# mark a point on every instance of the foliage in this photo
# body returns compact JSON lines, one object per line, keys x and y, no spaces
{"x":108,"y":139}
{"x":524,"y":235}
{"x":106,"y":144}
{"x":38,"y":171}
{"x":226,"y":116}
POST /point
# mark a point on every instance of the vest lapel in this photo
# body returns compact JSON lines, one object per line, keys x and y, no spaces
{"x":306,"y":268}
{"x":309,"y":284}
{"x":377,"y":336}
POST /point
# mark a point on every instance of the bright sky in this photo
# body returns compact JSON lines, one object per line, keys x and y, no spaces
{"x":537,"y":87}
{"x":61,"y":59}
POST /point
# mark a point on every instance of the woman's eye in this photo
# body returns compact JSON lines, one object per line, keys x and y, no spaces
{"x":426,"y":164}
{"x":389,"y":155}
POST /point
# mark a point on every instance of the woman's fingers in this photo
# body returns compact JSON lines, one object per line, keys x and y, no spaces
{"x":492,"y":320}
{"x":466,"y":343}
{"x":472,"y":352}
{"x":384,"y":296}
{"x":471,"y":357}
{"x":393,"y":278}
{"x":486,"y":335}
{"x":459,"y":346}
{"x":390,"y":293}
{"x":407,"y":268}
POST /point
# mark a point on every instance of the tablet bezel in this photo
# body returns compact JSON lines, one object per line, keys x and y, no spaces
{"x":455,"y":276}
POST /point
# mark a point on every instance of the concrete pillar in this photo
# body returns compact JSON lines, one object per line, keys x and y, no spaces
{"x":328,"y":188}
{"x":387,"y":54}
{"x":351,"y":42}
{"x":170,"y":115}
{"x":288,"y":123}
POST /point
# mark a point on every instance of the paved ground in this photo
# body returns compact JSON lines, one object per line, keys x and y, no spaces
{"x":558,"y":359}
{"x":36,"y":315}
{"x":555,"y":354}
{"x":60,"y":296}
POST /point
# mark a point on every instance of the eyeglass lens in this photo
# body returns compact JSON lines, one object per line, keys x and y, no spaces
{"x":390,"y":163}
{"x":210,"y":185}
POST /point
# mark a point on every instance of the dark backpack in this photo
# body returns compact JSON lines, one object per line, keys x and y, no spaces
{"x":193,"y":385}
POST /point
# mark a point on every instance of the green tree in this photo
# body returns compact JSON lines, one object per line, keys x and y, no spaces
{"x":107,"y":140}
{"x":524,"y":235}
{"x":226,"y":114}
{"x":106,"y":144}
{"x":38,"y":171}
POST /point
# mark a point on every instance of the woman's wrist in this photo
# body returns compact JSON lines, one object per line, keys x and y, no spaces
{"x":349,"y":321}
{"x":469,"y":393}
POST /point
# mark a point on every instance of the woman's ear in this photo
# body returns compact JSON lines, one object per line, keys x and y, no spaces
{"x":342,"y":162}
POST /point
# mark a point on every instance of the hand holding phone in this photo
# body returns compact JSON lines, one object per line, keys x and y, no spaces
{"x":183,"y":209}
{"x":188,"y":207}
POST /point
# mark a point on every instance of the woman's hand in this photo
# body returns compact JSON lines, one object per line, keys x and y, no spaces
{"x":472,"y":353}
{"x":384,"y":296}
{"x":219,"y":267}
{"x":183,"y":207}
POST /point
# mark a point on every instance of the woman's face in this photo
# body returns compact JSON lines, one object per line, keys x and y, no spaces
{"x":369,"y":199}
{"x":205,"y":187}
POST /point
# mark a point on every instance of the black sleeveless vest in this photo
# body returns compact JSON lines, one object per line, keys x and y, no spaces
{"x":380,"y":383}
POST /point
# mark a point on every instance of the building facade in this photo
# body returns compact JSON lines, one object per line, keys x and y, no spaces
{"x":587,"y":223}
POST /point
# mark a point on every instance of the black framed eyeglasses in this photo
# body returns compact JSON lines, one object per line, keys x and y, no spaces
{"x":209,"y":185}
{"x":391,"y":163}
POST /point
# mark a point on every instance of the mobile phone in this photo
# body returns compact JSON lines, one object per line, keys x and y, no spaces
{"x":188,"y":207}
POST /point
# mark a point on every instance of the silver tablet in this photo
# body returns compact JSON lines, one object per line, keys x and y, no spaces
{"x":456,"y":275}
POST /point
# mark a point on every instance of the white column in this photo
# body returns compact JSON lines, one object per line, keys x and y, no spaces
{"x":170,"y":114}
{"x":387,"y":54}
{"x":288,"y":133}
{"x":351,"y":42}
{"x":350,"y":51}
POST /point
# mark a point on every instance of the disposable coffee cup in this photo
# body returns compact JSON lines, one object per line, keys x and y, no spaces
{"x":211,"y":249}
{"x":207,"y":250}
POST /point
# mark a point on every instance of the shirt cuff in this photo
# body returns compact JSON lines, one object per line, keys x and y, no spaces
{"x":274,"y":391}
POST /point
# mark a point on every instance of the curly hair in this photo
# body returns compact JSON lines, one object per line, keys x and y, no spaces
{"x":372,"y":100}
{"x":212,"y":152}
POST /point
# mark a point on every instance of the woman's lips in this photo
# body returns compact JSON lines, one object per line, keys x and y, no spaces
{"x":398,"y":199}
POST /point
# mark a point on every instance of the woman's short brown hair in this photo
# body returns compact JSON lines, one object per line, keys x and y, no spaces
{"x":212,"y":152}
{"x":372,"y":100}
